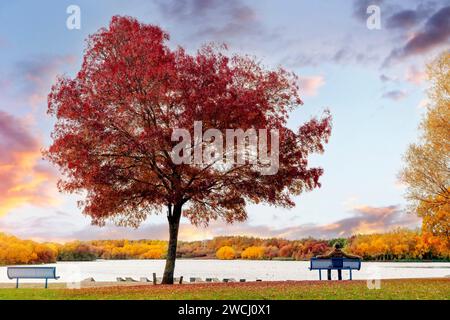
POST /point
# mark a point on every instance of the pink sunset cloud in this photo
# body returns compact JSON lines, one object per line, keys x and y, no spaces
{"x":25,"y":178}
{"x":310,"y":85}
{"x":434,"y":33}
{"x":39,"y":74}
{"x":415,"y":76}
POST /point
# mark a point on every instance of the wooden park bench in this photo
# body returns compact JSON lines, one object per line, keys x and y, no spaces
{"x":32,"y":273}
{"x":335,"y":264}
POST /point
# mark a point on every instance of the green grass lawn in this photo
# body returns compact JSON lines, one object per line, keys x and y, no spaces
{"x":390,"y":289}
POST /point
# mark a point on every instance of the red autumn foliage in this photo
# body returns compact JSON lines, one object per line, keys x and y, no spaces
{"x":114,"y":120}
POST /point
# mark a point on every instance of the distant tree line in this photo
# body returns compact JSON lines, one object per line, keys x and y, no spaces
{"x":400,"y":244}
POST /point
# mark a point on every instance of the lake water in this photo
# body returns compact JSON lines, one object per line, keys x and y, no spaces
{"x":108,"y":270}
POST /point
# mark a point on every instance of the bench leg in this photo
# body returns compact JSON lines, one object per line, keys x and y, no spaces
{"x":329,"y":274}
{"x":46,"y":283}
{"x":17,"y":283}
{"x":320,"y":274}
{"x":339,"y":274}
{"x":350,"y":274}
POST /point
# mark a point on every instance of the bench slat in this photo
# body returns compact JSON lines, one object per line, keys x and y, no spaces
{"x":338,"y":263}
{"x":32,"y":272}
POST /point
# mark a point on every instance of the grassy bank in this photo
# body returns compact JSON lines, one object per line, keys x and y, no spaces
{"x":390,"y":289}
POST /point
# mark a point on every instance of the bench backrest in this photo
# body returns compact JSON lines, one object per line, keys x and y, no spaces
{"x":335,"y":263}
{"x":31,"y":272}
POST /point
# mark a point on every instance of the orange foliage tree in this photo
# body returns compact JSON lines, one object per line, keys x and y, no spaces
{"x":426,"y":172}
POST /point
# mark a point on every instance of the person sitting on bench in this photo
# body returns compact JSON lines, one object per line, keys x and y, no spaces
{"x":337,"y":253}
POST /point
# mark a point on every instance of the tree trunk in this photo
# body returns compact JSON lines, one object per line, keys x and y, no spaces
{"x":174,"y":223}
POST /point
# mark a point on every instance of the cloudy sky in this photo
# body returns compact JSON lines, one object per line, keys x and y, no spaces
{"x":372,"y":80}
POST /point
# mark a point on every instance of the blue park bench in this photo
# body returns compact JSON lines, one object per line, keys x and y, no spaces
{"x":335,"y":264}
{"x":32,"y":273}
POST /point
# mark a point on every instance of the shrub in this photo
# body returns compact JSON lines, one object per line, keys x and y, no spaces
{"x":253,"y":253}
{"x":226,"y":253}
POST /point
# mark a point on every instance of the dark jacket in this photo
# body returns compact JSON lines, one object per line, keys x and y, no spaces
{"x":338,"y":253}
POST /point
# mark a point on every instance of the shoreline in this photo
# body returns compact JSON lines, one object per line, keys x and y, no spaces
{"x":116,"y":284}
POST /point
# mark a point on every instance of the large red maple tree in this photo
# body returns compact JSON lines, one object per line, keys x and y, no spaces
{"x":114,"y":121}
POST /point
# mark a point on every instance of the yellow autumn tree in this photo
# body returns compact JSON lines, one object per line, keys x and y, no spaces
{"x":154,"y":251}
{"x":399,"y":244}
{"x":253,"y":253}
{"x":17,"y":251}
{"x":226,"y":253}
{"x":427,"y":172}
